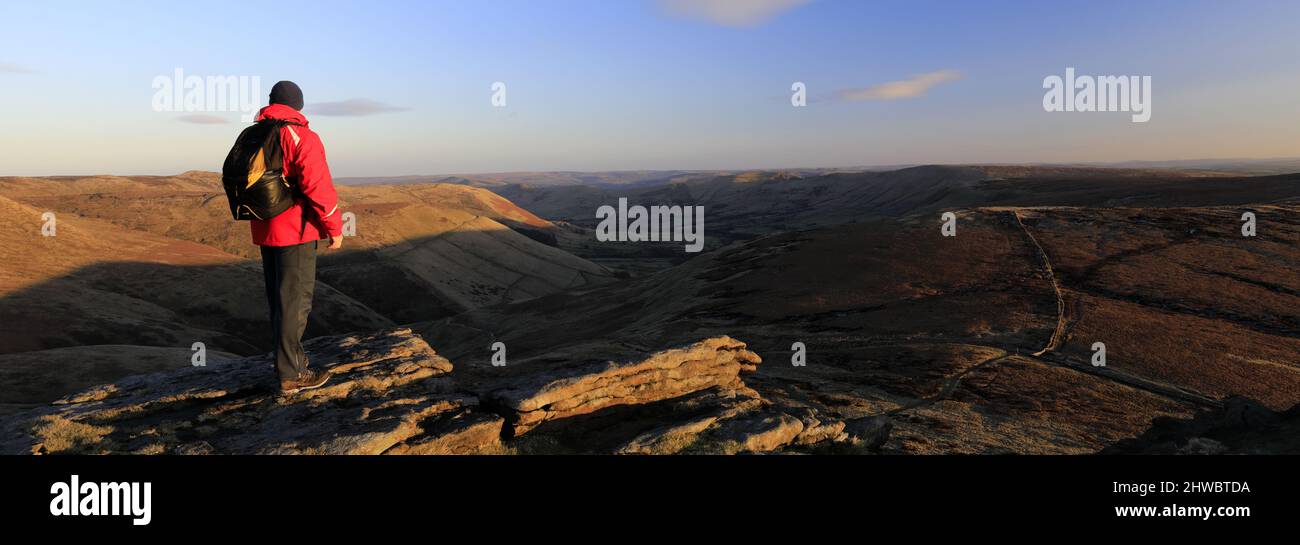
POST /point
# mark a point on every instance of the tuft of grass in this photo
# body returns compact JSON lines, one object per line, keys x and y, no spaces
{"x":58,"y":435}
{"x":151,"y":449}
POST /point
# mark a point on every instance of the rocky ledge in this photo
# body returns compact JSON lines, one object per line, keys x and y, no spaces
{"x":391,"y":393}
{"x":555,"y":393}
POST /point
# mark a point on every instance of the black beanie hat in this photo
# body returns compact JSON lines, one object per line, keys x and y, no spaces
{"x":287,"y":93}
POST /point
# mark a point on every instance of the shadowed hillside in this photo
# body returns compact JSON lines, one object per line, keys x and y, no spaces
{"x":419,"y":251}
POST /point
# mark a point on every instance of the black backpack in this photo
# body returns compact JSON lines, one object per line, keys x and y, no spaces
{"x":254,"y":173}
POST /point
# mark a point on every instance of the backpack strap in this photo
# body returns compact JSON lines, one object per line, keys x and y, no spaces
{"x":281,"y":123}
{"x":306,"y":210}
{"x":294,"y":134}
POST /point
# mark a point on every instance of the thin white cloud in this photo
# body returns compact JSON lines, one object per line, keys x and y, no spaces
{"x":7,"y":68}
{"x":732,"y":13}
{"x":909,"y":88}
{"x":202,"y":119}
{"x":352,"y":108}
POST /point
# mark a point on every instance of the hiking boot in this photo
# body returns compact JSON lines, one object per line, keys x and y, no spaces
{"x":311,"y":378}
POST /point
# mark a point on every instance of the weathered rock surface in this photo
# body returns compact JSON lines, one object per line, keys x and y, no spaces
{"x":760,"y":433}
{"x":552,"y":388}
{"x":390,"y":392}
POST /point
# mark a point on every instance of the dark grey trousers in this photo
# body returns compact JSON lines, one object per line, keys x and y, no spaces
{"x":290,"y":281}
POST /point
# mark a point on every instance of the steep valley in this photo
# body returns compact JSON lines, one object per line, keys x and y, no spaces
{"x":912,"y":342}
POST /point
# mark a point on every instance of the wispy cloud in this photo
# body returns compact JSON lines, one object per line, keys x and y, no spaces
{"x":7,"y":68}
{"x":202,"y":119}
{"x":353,"y":107}
{"x":732,"y":13}
{"x":909,"y":88}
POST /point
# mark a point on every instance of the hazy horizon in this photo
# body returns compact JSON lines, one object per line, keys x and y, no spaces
{"x":1172,"y":164}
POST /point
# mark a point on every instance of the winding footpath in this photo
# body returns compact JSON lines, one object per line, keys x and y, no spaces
{"x":1058,"y":336}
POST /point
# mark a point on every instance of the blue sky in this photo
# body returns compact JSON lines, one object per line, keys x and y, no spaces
{"x":649,"y":84}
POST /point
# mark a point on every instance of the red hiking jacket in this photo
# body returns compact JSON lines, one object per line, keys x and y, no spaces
{"x":304,"y":158}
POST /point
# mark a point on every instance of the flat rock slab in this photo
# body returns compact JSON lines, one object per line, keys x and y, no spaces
{"x":389,"y":392}
{"x":569,"y":383}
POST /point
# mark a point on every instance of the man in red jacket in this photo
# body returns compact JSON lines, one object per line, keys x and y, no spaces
{"x":289,"y":240}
